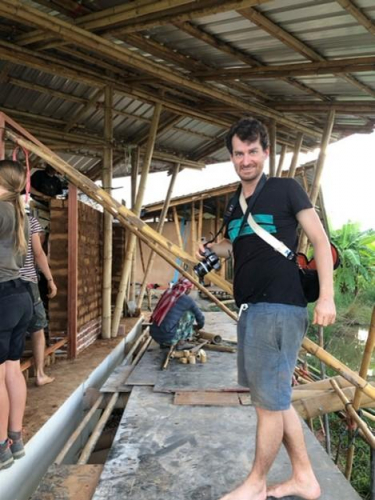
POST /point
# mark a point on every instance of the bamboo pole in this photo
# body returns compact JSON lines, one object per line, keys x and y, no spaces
{"x":200,"y":221}
{"x":159,"y":228}
{"x":177,"y":226}
{"x":272,"y":160}
{"x":125,"y":216}
{"x":297,"y":149}
{"x":343,"y":370}
{"x":73,"y":229}
{"x":137,"y":209}
{"x":83,"y":108}
{"x":74,"y":436}
{"x":108,"y":219}
{"x":366,"y":360}
{"x":314,"y":192}
{"x":95,"y":435}
{"x":2,"y":142}
{"x":284,"y":150}
{"x":134,"y":179}
{"x":323,"y":376}
{"x":353,"y":414}
{"x":193,"y":229}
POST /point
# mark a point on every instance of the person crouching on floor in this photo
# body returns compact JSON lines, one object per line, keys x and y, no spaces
{"x":174,"y":315}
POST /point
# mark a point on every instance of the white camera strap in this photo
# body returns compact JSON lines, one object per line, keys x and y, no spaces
{"x":265,"y":235}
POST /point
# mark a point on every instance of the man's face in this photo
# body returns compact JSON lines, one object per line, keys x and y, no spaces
{"x":248,"y":159}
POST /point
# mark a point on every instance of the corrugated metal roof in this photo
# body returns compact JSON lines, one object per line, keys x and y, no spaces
{"x":323,"y":26}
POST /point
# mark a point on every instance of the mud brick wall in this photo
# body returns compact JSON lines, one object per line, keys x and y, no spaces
{"x":90,"y":258}
{"x":90,"y":275}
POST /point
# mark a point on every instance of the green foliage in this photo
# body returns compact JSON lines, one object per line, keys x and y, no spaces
{"x":357,"y":254}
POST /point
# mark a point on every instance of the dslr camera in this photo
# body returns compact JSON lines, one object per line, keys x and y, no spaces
{"x":211,"y":261}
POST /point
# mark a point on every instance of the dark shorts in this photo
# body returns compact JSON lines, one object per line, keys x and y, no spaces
{"x":269,"y":338}
{"x":15,"y":312}
{"x":39,"y":319}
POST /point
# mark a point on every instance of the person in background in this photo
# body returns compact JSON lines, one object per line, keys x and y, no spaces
{"x":174,"y":315}
{"x":36,"y":256}
{"x":45,"y":184}
{"x":15,"y":310}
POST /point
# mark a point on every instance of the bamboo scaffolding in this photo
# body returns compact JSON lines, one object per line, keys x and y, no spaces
{"x":125,"y":273}
{"x":314,"y":192}
{"x":353,"y":414}
{"x":108,"y":219}
{"x":366,"y":360}
{"x":343,"y":370}
{"x":16,"y":10}
{"x":159,"y":228}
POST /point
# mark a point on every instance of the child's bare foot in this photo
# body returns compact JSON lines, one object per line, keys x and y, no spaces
{"x":43,"y":380}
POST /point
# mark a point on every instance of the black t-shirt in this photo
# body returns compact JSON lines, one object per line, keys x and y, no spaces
{"x":262,"y":274}
{"x":46,"y":184}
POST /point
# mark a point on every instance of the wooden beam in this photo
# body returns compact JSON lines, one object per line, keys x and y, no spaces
{"x":337,"y":66}
{"x":159,"y":228}
{"x":214,"y":8}
{"x":125,"y":273}
{"x":84,"y":108}
{"x":16,"y":10}
{"x":348,"y":107}
{"x":294,"y":43}
{"x":72,"y":270}
{"x":358,"y":14}
{"x":107,"y":173}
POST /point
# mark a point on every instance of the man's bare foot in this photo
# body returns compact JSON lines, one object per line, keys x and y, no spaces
{"x":308,"y":489}
{"x":247,"y":491}
{"x":43,"y":380}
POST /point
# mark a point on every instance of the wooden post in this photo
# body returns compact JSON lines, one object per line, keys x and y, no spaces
{"x":272,"y":132}
{"x":134,"y":179}
{"x":318,"y":170}
{"x":132,"y":239}
{"x":72,"y":270}
{"x":177,"y":226}
{"x":108,"y":219}
{"x":193,"y":229}
{"x":159,"y":228}
{"x":284,"y":149}
{"x":200,"y":221}
{"x":2,"y":142}
{"x":297,"y":148}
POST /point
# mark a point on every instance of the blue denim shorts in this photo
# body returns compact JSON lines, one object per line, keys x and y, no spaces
{"x":269,"y":338}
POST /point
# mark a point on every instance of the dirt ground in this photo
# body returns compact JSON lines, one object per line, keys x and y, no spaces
{"x":42,"y":402}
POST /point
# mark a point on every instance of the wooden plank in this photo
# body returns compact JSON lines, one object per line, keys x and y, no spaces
{"x":65,"y":482}
{"x":245,"y":399}
{"x":207,"y":398}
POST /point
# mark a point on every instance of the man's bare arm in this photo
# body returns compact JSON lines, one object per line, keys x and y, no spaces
{"x":325,"y":311}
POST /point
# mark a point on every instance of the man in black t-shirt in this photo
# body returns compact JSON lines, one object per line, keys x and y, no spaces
{"x":45,"y":184}
{"x":273,"y":315}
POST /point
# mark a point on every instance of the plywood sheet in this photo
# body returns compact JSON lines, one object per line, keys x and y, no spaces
{"x":207,"y":398}
{"x":218,"y":374}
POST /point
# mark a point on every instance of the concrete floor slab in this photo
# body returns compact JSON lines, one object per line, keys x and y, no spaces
{"x":166,"y":452}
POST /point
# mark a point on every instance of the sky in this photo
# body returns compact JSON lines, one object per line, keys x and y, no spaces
{"x":348,"y":181}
